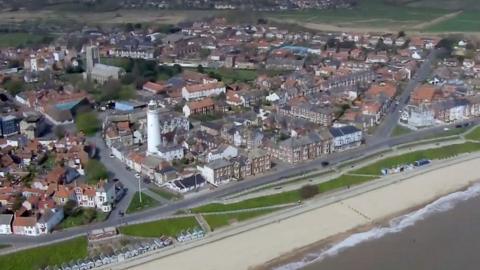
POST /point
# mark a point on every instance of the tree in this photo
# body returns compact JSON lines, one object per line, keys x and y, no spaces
{"x":88,"y":123}
{"x":89,"y":215}
{"x":308,"y":191}
{"x":200,"y":69}
{"x":13,"y":86}
{"x":95,"y":171}
{"x":69,"y":208}
{"x":17,"y":204}
{"x":111,"y":90}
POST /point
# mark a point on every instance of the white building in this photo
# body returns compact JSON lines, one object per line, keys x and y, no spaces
{"x":49,"y":219}
{"x":170,"y":152}
{"x":223,"y":151}
{"x":6,"y":223}
{"x":196,"y":91}
{"x":346,"y":137}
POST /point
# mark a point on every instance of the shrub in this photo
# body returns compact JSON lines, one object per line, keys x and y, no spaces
{"x":308,"y":191}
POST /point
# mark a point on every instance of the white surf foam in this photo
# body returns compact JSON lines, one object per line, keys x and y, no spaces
{"x":395,"y":225}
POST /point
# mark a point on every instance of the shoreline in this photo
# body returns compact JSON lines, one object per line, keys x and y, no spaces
{"x":260,"y":247}
{"x":300,"y":254}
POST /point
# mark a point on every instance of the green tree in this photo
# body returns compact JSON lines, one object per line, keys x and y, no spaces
{"x":14,"y":86}
{"x":200,"y":69}
{"x":88,"y":123}
{"x":308,"y":191}
{"x":69,"y":208}
{"x":95,"y":171}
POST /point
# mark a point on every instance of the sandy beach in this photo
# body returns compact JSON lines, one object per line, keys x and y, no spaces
{"x":253,"y":248}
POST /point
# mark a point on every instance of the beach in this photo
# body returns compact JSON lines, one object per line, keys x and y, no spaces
{"x":269,"y":242}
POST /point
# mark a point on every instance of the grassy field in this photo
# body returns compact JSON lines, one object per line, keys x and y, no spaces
{"x":18,"y":39}
{"x":135,"y":205}
{"x":448,"y":133}
{"x":468,"y":21}
{"x":165,"y":227}
{"x":400,"y":130}
{"x":39,"y":258}
{"x":82,"y":218}
{"x":264,"y":201}
{"x":474,"y":134}
{"x":344,"y":181}
{"x":368,"y":13}
{"x":217,"y":221}
{"x":166,"y":194}
{"x":434,"y":153}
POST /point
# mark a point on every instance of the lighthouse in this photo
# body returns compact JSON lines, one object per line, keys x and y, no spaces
{"x":153,"y":128}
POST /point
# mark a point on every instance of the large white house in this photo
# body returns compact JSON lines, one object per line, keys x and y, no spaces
{"x":195,"y":91}
{"x":346,"y":137}
{"x":223,"y":151}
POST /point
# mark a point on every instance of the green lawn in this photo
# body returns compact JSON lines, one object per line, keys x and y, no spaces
{"x":120,"y":62}
{"x":40,"y":257}
{"x":264,"y":201}
{"x":434,"y":153}
{"x":19,"y":39}
{"x":165,"y":227}
{"x":371,"y":13}
{"x":82,"y":217}
{"x":166,"y":194}
{"x":344,"y":181}
{"x":448,"y":133}
{"x":217,"y":221}
{"x":474,"y":134}
{"x":400,"y":130}
{"x":135,"y":205}
{"x":468,"y":21}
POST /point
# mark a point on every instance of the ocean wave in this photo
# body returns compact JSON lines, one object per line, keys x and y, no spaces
{"x":395,"y":225}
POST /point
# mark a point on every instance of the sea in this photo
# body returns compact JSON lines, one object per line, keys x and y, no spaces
{"x":443,"y":235}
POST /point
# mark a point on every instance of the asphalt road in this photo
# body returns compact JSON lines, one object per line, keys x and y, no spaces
{"x":384,"y":130}
{"x":127,"y":178}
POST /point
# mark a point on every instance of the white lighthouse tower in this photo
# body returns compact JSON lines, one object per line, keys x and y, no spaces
{"x":153,"y":128}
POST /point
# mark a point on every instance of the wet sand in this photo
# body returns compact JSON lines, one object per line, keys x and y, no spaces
{"x":444,"y":241}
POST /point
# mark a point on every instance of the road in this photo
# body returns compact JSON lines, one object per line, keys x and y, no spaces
{"x":384,"y":130}
{"x":235,"y":187}
{"x":127,"y":178}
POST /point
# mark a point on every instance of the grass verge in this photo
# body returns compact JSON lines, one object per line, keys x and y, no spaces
{"x":165,"y":227}
{"x":82,"y":217}
{"x":218,"y":221}
{"x":474,"y":134}
{"x":135,"y":204}
{"x":166,"y":194}
{"x":264,"y":201}
{"x":41,"y":257}
{"x":433,"y":153}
